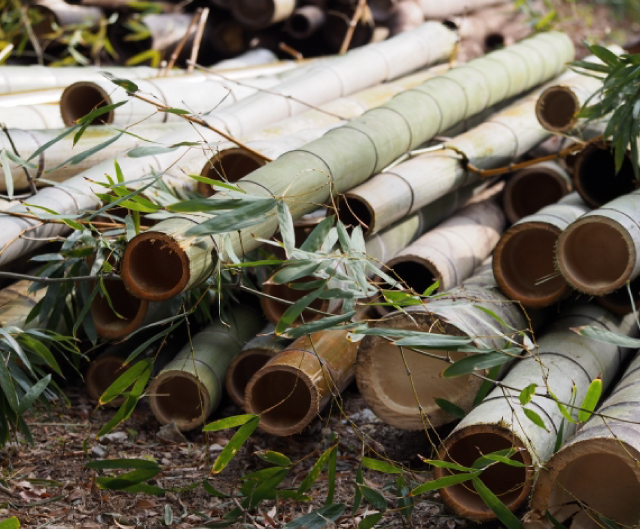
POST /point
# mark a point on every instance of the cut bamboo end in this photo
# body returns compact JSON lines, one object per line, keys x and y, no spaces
{"x":305,"y":21}
{"x":524,"y":265}
{"x":80,"y":98}
{"x":623,"y":300}
{"x":596,"y":255}
{"x":355,"y":210}
{"x":242,"y":369}
{"x":258,"y":14}
{"x":511,"y":484}
{"x":531,"y":189}
{"x":192,"y":407}
{"x":155,"y":266}
{"x":557,"y":109}
{"x":414,"y":271}
{"x":595,"y":178}
{"x":274,"y":309}
{"x":229,"y":165}
{"x":132,"y":309}
{"x":103,"y":371}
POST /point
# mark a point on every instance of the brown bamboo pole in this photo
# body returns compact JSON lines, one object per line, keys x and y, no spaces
{"x":405,"y":16}
{"x":595,"y":177}
{"x":352,"y":153}
{"x":400,"y":385}
{"x":52,"y":13}
{"x":262,"y":13}
{"x":531,"y":189}
{"x":337,"y":26}
{"x":622,"y":301}
{"x":305,"y":21}
{"x":130,"y":314}
{"x":251,"y":359}
{"x":189,"y":387}
{"x":598,"y":253}
{"x":524,"y":259}
{"x":296,"y":384}
{"x":450,"y":252}
{"x":564,"y":360}
{"x":596,"y":472}
{"x":16,"y":303}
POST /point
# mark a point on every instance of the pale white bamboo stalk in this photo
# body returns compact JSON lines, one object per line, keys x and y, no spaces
{"x":31,"y":97}
{"x":564,"y":361}
{"x":258,"y":15}
{"x":53,"y":13}
{"x":404,"y":16}
{"x":33,"y":117}
{"x":439,"y":9}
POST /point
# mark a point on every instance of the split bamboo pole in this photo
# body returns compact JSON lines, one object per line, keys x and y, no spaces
{"x":296,"y":384}
{"x":262,"y":13}
{"x":16,"y":303}
{"x":52,"y":13}
{"x":564,"y":361}
{"x":346,"y":156}
{"x":32,"y":117}
{"x":524,"y":259}
{"x":387,"y":375}
{"x":253,"y":357}
{"x":128,"y":313}
{"x":439,"y":9}
{"x":596,"y":472}
{"x":305,"y":21}
{"x":595,"y":177}
{"x":450,"y":252}
{"x":189,"y":388}
{"x":531,"y":189}
{"x":598,"y":253}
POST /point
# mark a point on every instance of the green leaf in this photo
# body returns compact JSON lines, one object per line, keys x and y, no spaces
{"x":285,"y":222}
{"x":295,"y":270}
{"x":124,"y":464}
{"x":237,"y":219}
{"x":229,"y":422}
{"x":319,"y":325}
{"x":445,"y":481}
{"x":238,"y":439}
{"x":476,"y":362}
{"x":124,"y":381}
{"x":97,"y":112}
{"x":128,"y":479}
{"x":10,"y":523}
{"x":55,"y":140}
{"x":294,"y":311}
{"x":6,"y":168}
{"x":315,"y":239}
{"x":433,"y":341}
{"x":276,"y":458}
{"x":374,"y":498}
{"x":149,"y":150}
{"x":380,"y":466}
{"x":498,"y":508}
{"x":435,"y":286}
{"x":563,"y":409}
{"x":129,"y":86}
{"x":211,"y":490}
{"x":501,"y":456}
{"x":527,"y":393}
{"x":315,"y":471}
{"x":331,"y":477}
{"x":486,"y":386}
{"x":370,"y":521}
{"x":179,"y":111}
{"x":599,"y":334}
{"x":439,"y":463}
{"x":590,"y":401}
{"x":605,"y":55}
{"x":34,"y":392}
{"x":357,"y":499}
{"x":451,"y":408}
{"x":319,"y":518}
{"x":7,"y":386}
{"x":534,"y":418}
{"x":76,"y":159}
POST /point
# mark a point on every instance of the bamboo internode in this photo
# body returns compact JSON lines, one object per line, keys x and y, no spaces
{"x":189,"y":387}
{"x":35,"y":117}
{"x":16,"y":302}
{"x":598,"y":253}
{"x":387,"y":374}
{"x":296,"y":384}
{"x":564,"y":361}
{"x":595,"y":474}
{"x":524,"y":259}
{"x":531,"y":189}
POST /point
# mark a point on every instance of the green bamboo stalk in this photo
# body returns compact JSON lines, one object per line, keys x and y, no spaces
{"x":564,"y":361}
{"x":189,"y":388}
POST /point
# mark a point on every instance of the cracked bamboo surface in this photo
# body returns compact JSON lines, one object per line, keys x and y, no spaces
{"x":499,"y":422}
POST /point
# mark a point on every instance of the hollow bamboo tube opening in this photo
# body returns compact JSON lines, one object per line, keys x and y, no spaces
{"x":155,"y":266}
{"x":529,"y":190}
{"x":620,"y":301}
{"x":305,"y":21}
{"x":102,"y":372}
{"x":417,"y":273}
{"x":275,"y":309}
{"x":181,"y":398}
{"x":132,"y":309}
{"x":595,"y":178}
{"x":511,"y":484}
{"x":241,"y":370}
{"x":524,"y":265}
{"x":595,"y":255}
{"x":354,"y":211}
{"x":79,"y":99}
{"x":229,"y":165}
{"x":285,"y":398}
{"x":494,"y":41}
{"x":557,"y":108}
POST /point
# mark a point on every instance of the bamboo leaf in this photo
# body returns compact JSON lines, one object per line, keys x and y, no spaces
{"x":10,"y":523}
{"x":275,"y":458}
{"x":534,"y":418}
{"x":315,"y":471}
{"x":124,"y":381}
{"x":123,"y":464}
{"x":501,"y":456}
{"x":374,"y":498}
{"x":7,"y":386}
{"x":498,"y":508}
{"x":129,"y":86}
{"x":380,"y":466}
{"x":331,"y":477}
{"x":128,"y":479}
{"x":590,"y":401}
{"x":320,"y":325}
{"x":599,"y":334}
{"x":294,"y":311}
{"x":242,"y":217}
{"x":76,"y":159}
{"x":433,"y":340}
{"x":211,"y":490}
{"x":486,"y":386}
{"x":229,"y":422}
{"x":357,"y":499}
{"x":527,"y":393}
{"x":476,"y":362}
{"x":295,"y":270}
{"x":97,"y":112}
{"x":238,"y":439}
{"x":370,"y":521}
{"x":445,"y":481}
{"x":451,"y":408}
{"x":285,"y":222}
{"x":319,"y":518}
{"x":149,"y":150}
{"x":315,"y":239}
{"x":55,"y":140}
{"x":34,"y":392}
{"x":438,"y":463}
{"x":6,"y":169}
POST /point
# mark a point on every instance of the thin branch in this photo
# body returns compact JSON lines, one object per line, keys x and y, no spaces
{"x":197,"y":40}
{"x":52,"y":280}
{"x":357,"y":15}
{"x":178,"y":49}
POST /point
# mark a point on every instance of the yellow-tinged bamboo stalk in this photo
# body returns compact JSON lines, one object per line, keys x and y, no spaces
{"x":595,"y":474}
{"x":531,"y":189}
{"x":564,"y":361}
{"x":16,"y":303}
{"x":189,"y":387}
{"x":296,"y":384}
{"x":524,"y":259}
{"x":400,"y":385}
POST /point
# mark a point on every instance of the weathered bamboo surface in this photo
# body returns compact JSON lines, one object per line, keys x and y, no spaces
{"x":189,"y":387}
{"x":524,"y":260}
{"x":16,"y":303}
{"x":596,"y":472}
{"x":564,"y":361}
{"x":382,"y":368}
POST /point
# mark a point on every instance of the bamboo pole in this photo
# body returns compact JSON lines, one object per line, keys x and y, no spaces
{"x":564,"y":361}
{"x":52,"y":13}
{"x":405,"y":16}
{"x":305,"y":21}
{"x":338,"y":24}
{"x":524,"y":259}
{"x":251,"y":359}
{"x":346,"y":156}
{"x":598,"y":253}
{"x":622,"y":301}
{"x":439,"y":9}
{"x":189,"y":388}
{"x":596,"y":472}
{"x":296,"y":384}
{"x":381,"y":9}
{"x":262,"y":13}
{"x":128,"y":313}
{"x":256,"y":57}
{"x":531,"y":189}
{"x":451,"y":252}
{"x":34,"y":117}
{"x":31,"y":97}
{"x":16,"y":303}
{"x":595,"y":177}
{"x":400,"y":385}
